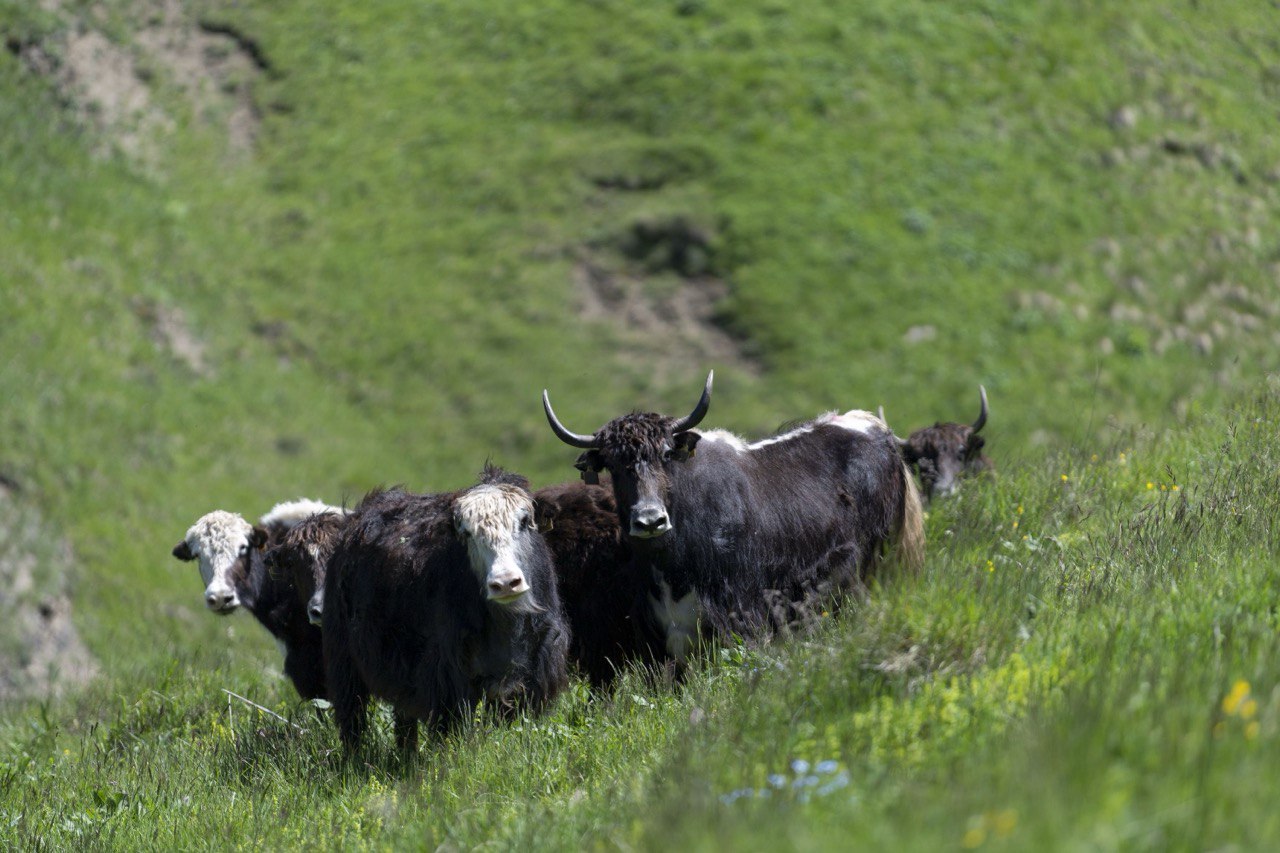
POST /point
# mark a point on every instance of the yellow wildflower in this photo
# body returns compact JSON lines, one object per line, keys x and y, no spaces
{"x":1004,"y":822}
{"x":1249,"y":709}
{"x":973,"y":837}
{"x":1232,"y":701}
{"x":1150,"y":485}
{"x":1065,"y":478}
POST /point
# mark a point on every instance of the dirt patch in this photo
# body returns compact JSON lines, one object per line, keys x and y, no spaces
{"x":169,"y":331}
{"x":40,"y":652}
{"x":656,"y":285}
{"x":132,"y":92}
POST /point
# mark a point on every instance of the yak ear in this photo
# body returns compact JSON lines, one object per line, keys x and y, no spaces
{"x":183,"y":551}
{"x":683,"y":444}
{"x":975,"y":443}
{"x":589,"y":464}
{"x":258,"y":537}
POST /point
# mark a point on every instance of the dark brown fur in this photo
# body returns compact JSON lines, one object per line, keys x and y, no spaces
{"x":302,"y":556}
{"x":605,"y":601}
{"x":944,"y":453}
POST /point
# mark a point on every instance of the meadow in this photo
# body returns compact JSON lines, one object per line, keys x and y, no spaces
{"x":439,"y":209}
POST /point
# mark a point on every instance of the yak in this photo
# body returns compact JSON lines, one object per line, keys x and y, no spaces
{"x":436,"y":602}
{"x":231,"y":552}
{"x":303,"y":556}
{"x":605,"y":602}
{"x":740,"y":537}
{"x":944,"y":453}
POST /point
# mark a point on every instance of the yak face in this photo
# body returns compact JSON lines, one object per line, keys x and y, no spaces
{"x":221,"y":542}
{"x":639,"y":451}
{"x":303,"y":555}
{"x":496,"y":523}
{"x":943,"y":454}
{"x":946,"y":452}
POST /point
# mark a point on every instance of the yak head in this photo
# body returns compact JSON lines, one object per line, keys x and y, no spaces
{"x":639,"y":451}
{"x":303,"y":557}
{"x":495,"y":520}
{"x":944,"y":453}
{"x":222,"y":542}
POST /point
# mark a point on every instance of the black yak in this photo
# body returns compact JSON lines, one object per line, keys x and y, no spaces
{"x":436,"y":602}
{"x":605,"y":601}
{"x":741,"y":537}
{"x":944,"y":453}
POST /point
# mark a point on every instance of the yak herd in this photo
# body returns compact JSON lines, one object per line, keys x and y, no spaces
{"x":494,"y":594}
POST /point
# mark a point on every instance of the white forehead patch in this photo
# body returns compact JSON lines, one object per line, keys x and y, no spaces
{"x":219,"y":532}
{"x":216,"y":538}
{"x":493,"y":513}
{"x":292,"y":513}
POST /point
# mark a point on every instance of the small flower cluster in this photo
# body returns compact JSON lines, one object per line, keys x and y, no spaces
{"x":1000,"y":824}
{"x":803,"y":783}
{"x":1239,"y":703}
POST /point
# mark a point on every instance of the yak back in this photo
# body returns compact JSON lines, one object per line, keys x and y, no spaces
{"x":761,"y":533}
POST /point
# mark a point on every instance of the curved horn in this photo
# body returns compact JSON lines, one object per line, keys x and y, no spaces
{"x":699,"y":411}
{"x":982,"y":416}
{"x":901,"y":442}
{"x":586,"y":442}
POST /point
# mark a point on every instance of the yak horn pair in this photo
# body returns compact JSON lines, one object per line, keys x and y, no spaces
{"x":588,"y":442}
{"x":977,"y":425}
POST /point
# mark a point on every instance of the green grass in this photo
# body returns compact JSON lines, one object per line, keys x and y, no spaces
{"x":1081,"y":200}
{"x":1067,"y":682}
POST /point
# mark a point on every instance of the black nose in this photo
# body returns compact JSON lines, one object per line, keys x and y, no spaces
{"x":314,"y":613}
{"x":650,"y":520}
{"x":218,"y":600}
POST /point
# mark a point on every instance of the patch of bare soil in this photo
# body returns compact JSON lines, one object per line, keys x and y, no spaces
{"x":40,"y":652}
{"x":122,"y":90}
{"x":169,"y":331}
{"x":656,"y":286}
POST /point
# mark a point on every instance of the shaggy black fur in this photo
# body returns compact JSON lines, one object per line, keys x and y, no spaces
{"x":758,"y":535}
{"x":406,"y":620}
{"x":303,"y":555}
{"x":605,"y":601}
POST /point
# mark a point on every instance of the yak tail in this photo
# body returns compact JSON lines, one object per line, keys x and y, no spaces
{"x":908,"y":542}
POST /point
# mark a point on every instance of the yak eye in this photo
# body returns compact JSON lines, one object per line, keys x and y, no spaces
{"x":527,"y":521}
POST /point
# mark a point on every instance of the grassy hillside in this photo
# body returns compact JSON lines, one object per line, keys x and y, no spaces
{"x":361,"y":258}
